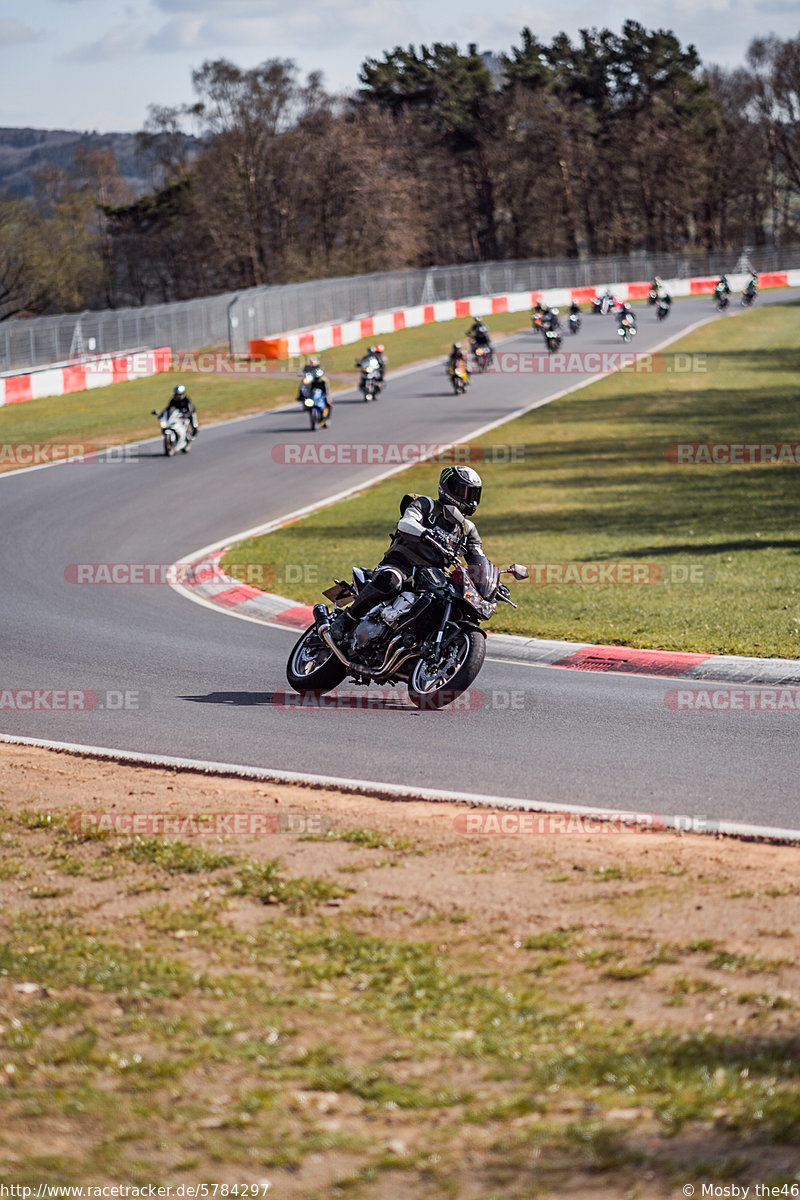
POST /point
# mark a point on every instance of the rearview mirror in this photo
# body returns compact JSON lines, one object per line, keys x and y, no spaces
{"x":519,"y":571}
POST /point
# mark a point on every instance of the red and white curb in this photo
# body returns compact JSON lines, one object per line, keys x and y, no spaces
{"x":206,"y":580}
{"x":91,"y":371}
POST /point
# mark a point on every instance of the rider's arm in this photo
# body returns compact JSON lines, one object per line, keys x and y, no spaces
{"x":411,"y":520}
{"x":473,"y":547}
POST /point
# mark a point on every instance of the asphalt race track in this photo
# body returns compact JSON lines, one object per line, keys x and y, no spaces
{"x":207,"y":686}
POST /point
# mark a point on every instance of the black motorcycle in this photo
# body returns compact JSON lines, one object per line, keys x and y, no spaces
{"x":370,"y":383}
{"x":552,"y":339}
{"x":748,"y":295}
{"x":721,"y":298}
{"x":482,"y":353}
{"x":429,"y":636}
{"x":662,"y":308}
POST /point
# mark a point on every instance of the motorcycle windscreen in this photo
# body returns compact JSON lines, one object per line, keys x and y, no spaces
{"x":485,"y":577}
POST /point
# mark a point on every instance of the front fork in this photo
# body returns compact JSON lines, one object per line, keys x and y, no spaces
{"x":437,"y":641}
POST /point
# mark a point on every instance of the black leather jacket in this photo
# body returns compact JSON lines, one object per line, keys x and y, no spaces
{"x":422,"y":515}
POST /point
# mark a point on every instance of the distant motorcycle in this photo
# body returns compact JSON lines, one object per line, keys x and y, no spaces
{"x":459,"y":377}
{"x":748,"y":295}
{"x":574,"y":322}
{"x":370,"y":382}
{"x":721,"y":298}
{"x":604,"y":304}
{"x":626,"y":329}
{"x":175,"y":426}
{"x":483,"y":355}
{"x":314,"y":399}
{"x":552,"y":339}
{"x":662,"y":308}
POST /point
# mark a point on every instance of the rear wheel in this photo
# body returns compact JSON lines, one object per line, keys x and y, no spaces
{"x":312,"y":666}
{"x":437,"y":685}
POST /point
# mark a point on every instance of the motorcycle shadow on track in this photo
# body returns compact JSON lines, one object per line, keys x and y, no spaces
{"x":141,"y":454}
{"x":331,"y":701}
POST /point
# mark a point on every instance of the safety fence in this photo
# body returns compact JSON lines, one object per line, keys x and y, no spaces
{"x":235,"y":318}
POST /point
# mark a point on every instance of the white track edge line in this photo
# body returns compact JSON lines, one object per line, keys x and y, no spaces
{"x":393,"y":791}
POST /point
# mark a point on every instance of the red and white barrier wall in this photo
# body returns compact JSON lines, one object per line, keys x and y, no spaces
{"x":325,"y":337}
{"x":98,"y":371}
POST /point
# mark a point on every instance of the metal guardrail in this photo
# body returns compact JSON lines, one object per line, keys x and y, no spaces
{"x":233,"y":318}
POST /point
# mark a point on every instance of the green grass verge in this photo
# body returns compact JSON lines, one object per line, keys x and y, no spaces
{"x":593,"y":484}
{"x":123,"y":412}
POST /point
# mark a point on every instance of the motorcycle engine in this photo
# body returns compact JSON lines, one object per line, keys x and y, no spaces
{"x":367,"y":630}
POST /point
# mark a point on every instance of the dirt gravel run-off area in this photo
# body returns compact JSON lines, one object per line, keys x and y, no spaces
{"x":312,"y":993}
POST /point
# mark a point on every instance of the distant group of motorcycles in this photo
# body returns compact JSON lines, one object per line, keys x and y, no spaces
{"x":313,"y":392}
{"x":547,"y":321}
{"x":178,"y":421}
{"x":482,"y":351}
{"x":722,"y":292}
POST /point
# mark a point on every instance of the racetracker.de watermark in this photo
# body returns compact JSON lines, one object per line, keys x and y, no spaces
{"x":543,"y":823}
{"x":259,"y":575}
{"x":29,"y":700}
{"x":584,"y":574}
{"x":595,"y":362}
{"x":37,"y":454}
{"x":732,"y":454}
{"x":390,"y":453}
{"x":214,"y":824}
{"x":360,"y":699}
{"x":733,"y":699}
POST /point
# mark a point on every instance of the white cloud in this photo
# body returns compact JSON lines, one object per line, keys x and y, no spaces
{"x":14,"y":33}
{"x":303,"y":32}
{"x":120,"y":41}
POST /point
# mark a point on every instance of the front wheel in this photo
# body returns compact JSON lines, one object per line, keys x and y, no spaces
{"x":169,"y":445}
{"x":437,"y":685}
{"x":312,"y":666}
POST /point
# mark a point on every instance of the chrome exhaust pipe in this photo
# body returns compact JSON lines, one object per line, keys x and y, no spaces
{"x":388,"y":665}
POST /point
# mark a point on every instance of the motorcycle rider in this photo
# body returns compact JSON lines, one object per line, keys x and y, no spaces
{"x":723,"y":288}
{"x":380,"y":354}
{"x":751,"y":287}
{"x":574,"y":317}
{"x":537,"y":315}
{"x":313,"y":376}
{"x":604,"y":304}
{"x":376,"y":353}
{"x":429,"y":533}
{"x":455,"y":360}
{"x":551,"y":320}
{"x":478,"y":334}
{"x":181,"y":400}
{"x":317,"y":372}
{"x":626,"y":317}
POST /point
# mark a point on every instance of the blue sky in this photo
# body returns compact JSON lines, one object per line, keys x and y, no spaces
{"x":98,"y":64}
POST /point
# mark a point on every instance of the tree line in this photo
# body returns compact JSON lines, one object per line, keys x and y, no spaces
{"x":605,"y":144}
